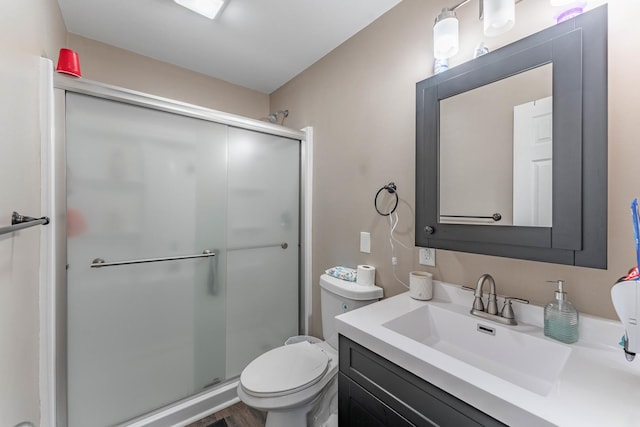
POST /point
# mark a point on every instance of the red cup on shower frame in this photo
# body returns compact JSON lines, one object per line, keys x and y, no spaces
{"x":68,"y":62}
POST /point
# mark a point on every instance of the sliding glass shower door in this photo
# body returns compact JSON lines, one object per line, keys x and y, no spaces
{"x":182,"y":253}
{"x":263,"y":229}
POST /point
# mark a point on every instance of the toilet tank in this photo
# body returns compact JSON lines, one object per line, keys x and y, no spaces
{"x":339,"y":296}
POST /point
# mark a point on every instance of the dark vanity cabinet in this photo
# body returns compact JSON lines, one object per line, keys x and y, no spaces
{"x":375,"y":392}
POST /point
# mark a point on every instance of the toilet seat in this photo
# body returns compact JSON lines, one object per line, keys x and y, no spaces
{"x":285,"y":370}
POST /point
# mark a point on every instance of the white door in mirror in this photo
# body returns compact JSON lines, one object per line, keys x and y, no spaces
{"x":532,"y":160}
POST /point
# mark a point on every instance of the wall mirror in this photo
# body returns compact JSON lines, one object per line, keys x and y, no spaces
{"x":511,"y":149}
{"x":495,"y":163}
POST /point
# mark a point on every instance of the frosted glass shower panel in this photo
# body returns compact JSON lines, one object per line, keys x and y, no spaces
{"x":263,"y":245}
{"x":142,"y":184}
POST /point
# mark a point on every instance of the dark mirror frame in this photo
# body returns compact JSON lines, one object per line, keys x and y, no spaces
{"x":577,"y":49}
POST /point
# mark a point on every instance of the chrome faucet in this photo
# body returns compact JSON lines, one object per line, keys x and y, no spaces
{"x":492,"y":303}
{"x":506,"y":316}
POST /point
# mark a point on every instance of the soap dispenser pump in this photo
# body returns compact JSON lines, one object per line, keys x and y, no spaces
{"x":561,"y":317}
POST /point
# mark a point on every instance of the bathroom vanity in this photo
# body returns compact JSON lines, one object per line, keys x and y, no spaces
{"x":373,"y":391}
{"x":408,"y":362}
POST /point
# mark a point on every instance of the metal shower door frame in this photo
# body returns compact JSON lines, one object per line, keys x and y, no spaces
{"x":53,"y":266}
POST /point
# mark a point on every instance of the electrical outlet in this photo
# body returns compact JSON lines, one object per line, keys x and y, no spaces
{"x":427,"y":256}
{"x":365,"y":242}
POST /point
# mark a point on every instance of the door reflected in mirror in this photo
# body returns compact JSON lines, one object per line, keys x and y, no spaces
{"x":495,"y":152}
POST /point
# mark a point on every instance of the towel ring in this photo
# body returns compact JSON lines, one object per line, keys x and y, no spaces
{"x":392,"y":189}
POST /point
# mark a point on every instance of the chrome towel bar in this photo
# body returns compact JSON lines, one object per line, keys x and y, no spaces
{"x":495,"y":217}
{"x":284,"y":245}
{"x":99,"y":262}
{"x":18,"y":222}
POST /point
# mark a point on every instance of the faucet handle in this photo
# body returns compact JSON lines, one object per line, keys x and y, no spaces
{"x":478,"y":305}
{"x":514,"y":299}
{"x":507,"y":310}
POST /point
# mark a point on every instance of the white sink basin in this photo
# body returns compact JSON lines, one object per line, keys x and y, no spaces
{"x":531,"y":362}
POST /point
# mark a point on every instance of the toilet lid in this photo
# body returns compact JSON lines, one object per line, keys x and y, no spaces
{"x":285,"y":370}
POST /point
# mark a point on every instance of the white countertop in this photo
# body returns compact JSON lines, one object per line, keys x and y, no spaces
{"x":597,"y":387}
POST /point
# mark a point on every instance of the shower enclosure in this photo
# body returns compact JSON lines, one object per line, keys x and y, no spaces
{"x":183,"y":261}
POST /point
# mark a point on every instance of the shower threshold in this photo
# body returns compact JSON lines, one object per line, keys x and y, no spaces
{"x":189,"y":410}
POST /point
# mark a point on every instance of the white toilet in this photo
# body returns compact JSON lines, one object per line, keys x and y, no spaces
{"x":297,"y":384}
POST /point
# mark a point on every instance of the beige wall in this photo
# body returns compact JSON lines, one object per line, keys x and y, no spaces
{"x":28,"y":29}
{"x":108,"y":64}
{"x":361,"y":101}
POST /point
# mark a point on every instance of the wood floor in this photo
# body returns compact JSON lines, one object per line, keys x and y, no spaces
{"x":238,"y":415}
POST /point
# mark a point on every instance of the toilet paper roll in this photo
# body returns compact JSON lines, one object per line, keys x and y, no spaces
{"x":366,"y":275}
{"x":421,"y":285}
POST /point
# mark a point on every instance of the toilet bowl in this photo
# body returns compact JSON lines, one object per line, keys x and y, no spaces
{"x":287,"y":381}
{"x":297,"y":384}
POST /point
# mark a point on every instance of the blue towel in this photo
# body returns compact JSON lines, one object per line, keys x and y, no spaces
{"x":343,"y":273}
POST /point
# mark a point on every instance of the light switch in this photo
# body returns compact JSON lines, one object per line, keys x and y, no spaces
{"x":365,"y":242}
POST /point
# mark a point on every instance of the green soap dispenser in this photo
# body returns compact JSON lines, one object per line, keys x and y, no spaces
{"x":561,"y":317}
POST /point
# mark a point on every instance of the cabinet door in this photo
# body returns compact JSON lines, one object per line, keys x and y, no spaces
{"x":414,"y":399}
{"x":359,"y":408}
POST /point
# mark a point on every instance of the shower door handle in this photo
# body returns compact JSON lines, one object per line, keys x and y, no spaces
{"x":99,"y":262}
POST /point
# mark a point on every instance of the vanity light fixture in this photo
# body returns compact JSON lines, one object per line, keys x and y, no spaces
{"x":208,"y":8}
{"x":445,"y":34}
{"x":499,"y":16}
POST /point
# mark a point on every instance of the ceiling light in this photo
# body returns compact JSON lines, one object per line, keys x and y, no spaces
{"x":208,"y":8}
{"x":445,"y":35}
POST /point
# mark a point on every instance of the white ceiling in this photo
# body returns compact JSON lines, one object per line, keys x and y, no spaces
{"x":259,"y":44}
